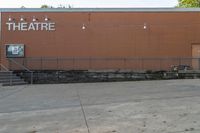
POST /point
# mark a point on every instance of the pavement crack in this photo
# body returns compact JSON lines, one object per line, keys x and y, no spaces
{"x":186,"y":130}
{"x":83,"y":111}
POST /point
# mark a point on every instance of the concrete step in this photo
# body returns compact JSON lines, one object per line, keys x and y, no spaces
{"x":8,"y":80}
{"x":15,"y":83}
{"x":6,"y":74}
{"x":9,"y":77}
{"x":6,"y":77}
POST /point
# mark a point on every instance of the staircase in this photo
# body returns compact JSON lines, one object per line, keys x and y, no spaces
{"x":9,"y":78}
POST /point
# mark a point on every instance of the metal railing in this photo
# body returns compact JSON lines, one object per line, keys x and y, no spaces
{"x":22,"y":67}
{"x":5,"y":69}
{"x":135,"y":64}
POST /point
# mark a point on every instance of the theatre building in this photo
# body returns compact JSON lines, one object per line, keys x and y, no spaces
{"x":99,"y":39}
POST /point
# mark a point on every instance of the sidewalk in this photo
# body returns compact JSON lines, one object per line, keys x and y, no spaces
{"x":170,"y":106}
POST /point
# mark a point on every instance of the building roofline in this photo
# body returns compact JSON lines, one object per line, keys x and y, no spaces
{"x":99,"y":9}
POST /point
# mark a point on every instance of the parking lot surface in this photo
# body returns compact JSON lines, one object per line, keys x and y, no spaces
{"x":166,"y":106}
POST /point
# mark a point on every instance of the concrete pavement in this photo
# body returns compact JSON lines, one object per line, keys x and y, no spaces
{"x":168,"y":106}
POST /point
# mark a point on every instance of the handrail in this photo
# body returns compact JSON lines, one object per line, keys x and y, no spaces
{"x":5,"y":68}
{"x":90,"y":63}
{"x":10,"y":73}
{"x":20,"y":65}
{"x":110,"y":58}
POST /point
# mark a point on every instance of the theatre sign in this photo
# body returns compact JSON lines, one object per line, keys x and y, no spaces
{"x":32,"y":26}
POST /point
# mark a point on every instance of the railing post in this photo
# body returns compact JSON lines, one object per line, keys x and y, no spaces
{"x":11,"y":78}
{"x":41,"y":64}
{"x":73,"y":63}
{"x":57,"y":63}
{"x":142,"y":61}
{"x":10,"y":64}
{"x":124,"y":63}
{"x":161,"y":64}
{"x":179,"y":61}
{"x":90,"y":63}
{"x":25,"y":63}
{"x":31,"y":77}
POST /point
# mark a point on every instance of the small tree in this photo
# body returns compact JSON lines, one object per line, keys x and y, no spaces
{"x":44,"y":6}
{"x":188,"y":3}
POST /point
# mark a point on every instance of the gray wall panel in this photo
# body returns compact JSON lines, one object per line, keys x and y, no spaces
{"x":99,"y":9}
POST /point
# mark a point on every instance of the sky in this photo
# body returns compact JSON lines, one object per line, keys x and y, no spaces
{"x":88,"y":3}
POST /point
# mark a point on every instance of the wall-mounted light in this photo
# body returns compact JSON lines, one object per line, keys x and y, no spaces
{"x":10,"y":19}
{"x":145,"y":26}
{"x":34,"y":19}
{"x":83,"y":27}
{"x":46,"y":18}
{"x":21,"y":19}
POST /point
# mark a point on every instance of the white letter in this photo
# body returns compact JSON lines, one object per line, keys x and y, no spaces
{"x":52,"y":26}
{"x":44,"y":25}
{"x":9,"y":25}
{"x":24,"y":26}
{"x":17,"y":26}
{"x":36,"y":26}
{"x":31,"y":27}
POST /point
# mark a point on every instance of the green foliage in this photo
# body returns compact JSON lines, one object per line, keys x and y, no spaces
{"x":45,"y":6}
{"x":188,"y":3}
